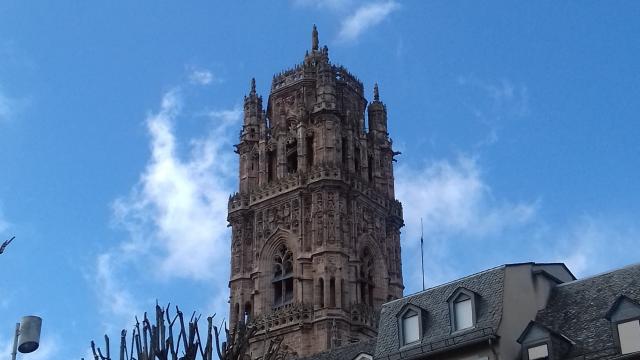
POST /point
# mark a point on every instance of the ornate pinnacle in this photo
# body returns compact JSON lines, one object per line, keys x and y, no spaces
{"x":376,"y":94}
{"x":314,"y":38}
{"x":253,"y":85}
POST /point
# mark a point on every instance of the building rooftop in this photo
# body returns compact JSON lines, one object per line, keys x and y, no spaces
{"x":577,"y":310}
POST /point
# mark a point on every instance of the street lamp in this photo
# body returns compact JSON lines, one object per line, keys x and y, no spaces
{"x":27,"y":336}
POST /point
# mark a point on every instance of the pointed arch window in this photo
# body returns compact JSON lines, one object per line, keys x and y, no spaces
{"x":367,"y":285}
{"x":272,"y":158}
{"x":282,"y":276}
{"x":292,"y":156}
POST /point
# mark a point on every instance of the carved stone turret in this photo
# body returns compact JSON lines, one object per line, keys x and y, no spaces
{"x":315,"y":225}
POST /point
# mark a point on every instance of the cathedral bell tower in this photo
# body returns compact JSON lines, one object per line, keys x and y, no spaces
{"x":315,"y":246}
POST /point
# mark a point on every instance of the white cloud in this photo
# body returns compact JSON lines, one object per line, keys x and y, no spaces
{"x":115,"y":299}
{"x":200,"y":76}
{"x":364,"y":18}
{"x":467,"y":229}
{"x":336,"y":5}
{"x":179,"y":207}
{"x":593,"y":244}
{"x":452,"y":199}
{"x":459,"y":212}
{"x":6,"y":107}
{"x":175,"y":217}
{"x":495,"y":103}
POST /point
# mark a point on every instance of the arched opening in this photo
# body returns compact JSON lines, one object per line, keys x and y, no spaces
{"x":282,"y":276}
{"x":332,"y":292}
{"x":309,"y":152}
{"x":365,"y":279}
{"x":321,"y":292}
{"x":344,"y":153}
{"x":356,"y":159}
{"x":370,"y":168}
{"x":271,"y":165}
{"x":236,"y":311}
{"x":292,"y":156}
{"x":247,"y":313}
{"x":342,"y":293}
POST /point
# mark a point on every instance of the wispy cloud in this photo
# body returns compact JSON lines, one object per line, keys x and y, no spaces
{"x":115,"y":299}
{"x":49,"y":347}
{"x":593,"y":244}
{"x":4,"y":222}
{"x":459,"y":211}
{"x":200,"y":76}
{"x":452,"y":198}
{"x":174,"y":216}
{"x":364,"y":18}
{"x":336,"y":5}
{"x":179,"y":206}
{"x":495,"y":103}
{"x":467,"y":228}
{"x":7,"y":107}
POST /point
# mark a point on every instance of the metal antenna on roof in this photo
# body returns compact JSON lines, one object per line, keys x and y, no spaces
{"x":422,"y":251}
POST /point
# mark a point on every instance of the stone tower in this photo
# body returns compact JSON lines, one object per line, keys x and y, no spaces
{"x":315,"y":224}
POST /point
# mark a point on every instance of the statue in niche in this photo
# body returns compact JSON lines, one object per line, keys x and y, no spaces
{"x":378,"y":228}
{"x":331,"y":265}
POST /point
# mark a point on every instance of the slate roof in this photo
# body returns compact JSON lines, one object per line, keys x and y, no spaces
{"x":577,"y":310}
{"x":346,"y":352}
{"x":488,"y":285}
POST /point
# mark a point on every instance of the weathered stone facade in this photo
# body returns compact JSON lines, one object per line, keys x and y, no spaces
{"x":315,"y":224}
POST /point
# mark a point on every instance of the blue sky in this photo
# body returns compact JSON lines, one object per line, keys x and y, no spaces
{"x":518,"y":127}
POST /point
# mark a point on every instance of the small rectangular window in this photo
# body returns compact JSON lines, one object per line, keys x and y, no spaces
{"x":410,"y":328}
{"x":629,"y":334}
{"x":463,"y":314}
{"x":538,"y":352}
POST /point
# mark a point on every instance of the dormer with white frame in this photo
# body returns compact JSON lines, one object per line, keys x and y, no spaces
{"x":624,"y":316}
{"x":410,"y":325}
{"x":462,"y":309}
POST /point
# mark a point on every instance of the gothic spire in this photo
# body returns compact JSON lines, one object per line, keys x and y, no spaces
{"x":314,"y":38}
{"x":376,"y":94}
{"x":253,"y":86}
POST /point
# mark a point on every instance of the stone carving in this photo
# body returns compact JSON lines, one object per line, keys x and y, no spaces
{"x":319,"y":220}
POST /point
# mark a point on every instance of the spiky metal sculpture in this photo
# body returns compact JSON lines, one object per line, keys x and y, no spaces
{"x":157,"y":341}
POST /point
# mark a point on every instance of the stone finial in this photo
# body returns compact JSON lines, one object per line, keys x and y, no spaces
{"x":253,"y":85}
{"x":314,"y":38}
{"x":376,"y":94}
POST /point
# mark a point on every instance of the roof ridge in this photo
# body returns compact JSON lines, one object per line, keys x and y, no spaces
{"x":450,"y":282}
{"x":599,"y":275}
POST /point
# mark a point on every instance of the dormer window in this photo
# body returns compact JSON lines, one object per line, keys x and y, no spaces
{"x":538,"y":352}
{"x":629,"y":336}
{"x":462,"y":309}
{"x":410,"y":325}
{"x":624,"y":315}
{"x":363,"y":356}
{"x":463,"y":312}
